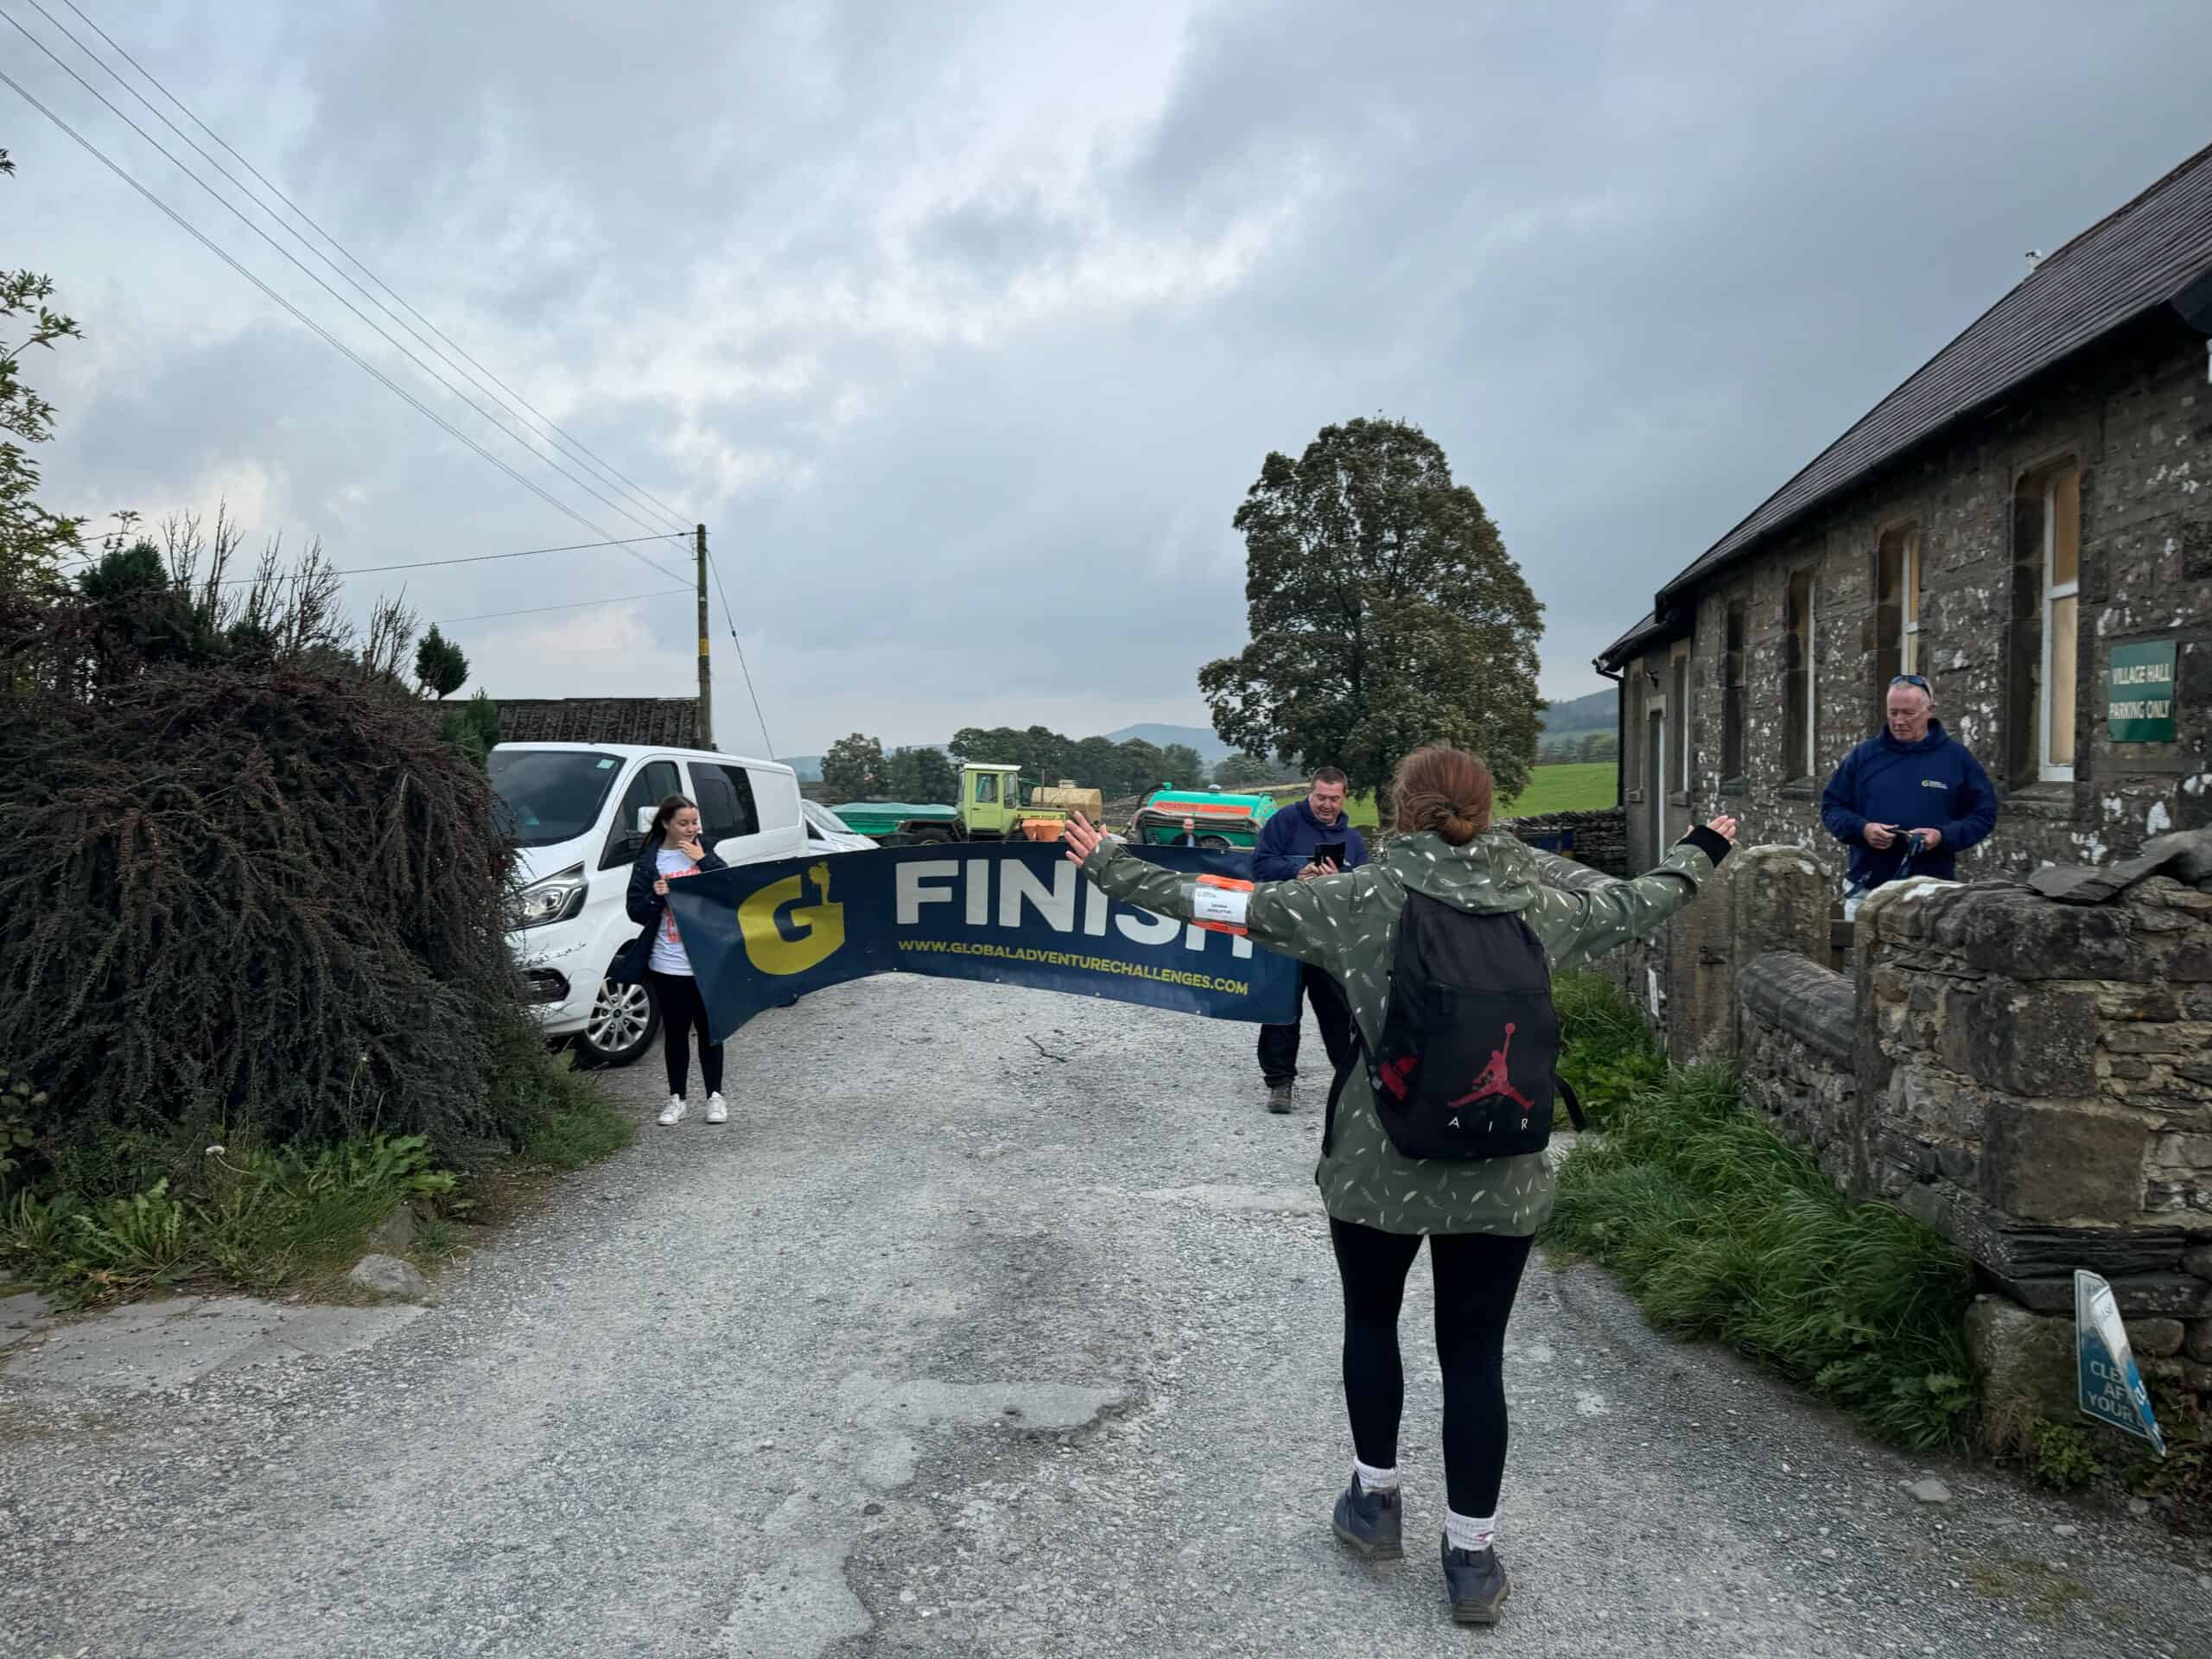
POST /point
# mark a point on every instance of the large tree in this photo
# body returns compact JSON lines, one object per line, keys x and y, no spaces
{"x":1181,"y":763}
{"x":1244,"y":768}
{"x":1384,"y":612}
{"x":853,"y":770}
{"x":922,"y":776}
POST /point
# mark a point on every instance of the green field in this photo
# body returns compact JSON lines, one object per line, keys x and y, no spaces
{"x":1583,"y":787}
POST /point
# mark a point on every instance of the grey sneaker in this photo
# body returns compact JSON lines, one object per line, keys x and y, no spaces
{"x":1475,"y":1580}
{"x":1371,"y":1522}
{"x":1279,"y":1098}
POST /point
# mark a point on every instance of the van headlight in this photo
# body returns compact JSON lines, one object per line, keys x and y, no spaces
{"x":557,"y":899}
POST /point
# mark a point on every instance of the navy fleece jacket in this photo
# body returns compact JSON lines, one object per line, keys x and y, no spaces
{"x":1287,"y":841}
{"x":1932,"y":784}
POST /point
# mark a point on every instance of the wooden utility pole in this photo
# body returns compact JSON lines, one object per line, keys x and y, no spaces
{"x":706,"y":669}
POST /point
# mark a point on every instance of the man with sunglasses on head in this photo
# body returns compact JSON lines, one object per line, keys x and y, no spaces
{"x":1910,"y":799}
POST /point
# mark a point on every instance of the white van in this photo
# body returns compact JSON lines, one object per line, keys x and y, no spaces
{"x":578,"y":814}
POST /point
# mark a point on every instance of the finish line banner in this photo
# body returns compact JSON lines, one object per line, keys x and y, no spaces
{"x":1011,"y":914}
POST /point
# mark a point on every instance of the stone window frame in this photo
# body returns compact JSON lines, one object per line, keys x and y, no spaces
{"x":1909,"y":624}
{"x":2029,"y":647}
{"x":1735,"y":651}
{"x":1896,"y":631}
{"x":2056,"y":593}
{"x":1800,"y":677}
{"x":1678,"y":700}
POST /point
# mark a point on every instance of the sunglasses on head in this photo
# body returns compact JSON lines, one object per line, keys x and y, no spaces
{"x":1912,"y":679}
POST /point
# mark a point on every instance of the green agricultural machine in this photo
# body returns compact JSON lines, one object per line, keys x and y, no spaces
{"x":1221,"y":822}
{"x":991,"y":809}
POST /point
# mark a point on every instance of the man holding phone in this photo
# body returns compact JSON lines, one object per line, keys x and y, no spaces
{"x":1310,"y":839}
{"x":1908,"y":800}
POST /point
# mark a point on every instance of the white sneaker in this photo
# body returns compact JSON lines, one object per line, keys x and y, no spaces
{"x":674,"y":1110}
{"x":716,"y":1111}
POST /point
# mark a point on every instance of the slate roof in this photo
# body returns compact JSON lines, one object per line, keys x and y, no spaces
{"x":2154,"y":253}
{"x":662,"y":722}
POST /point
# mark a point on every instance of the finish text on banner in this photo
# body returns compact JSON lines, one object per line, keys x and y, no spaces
{"x":1016,"y":914}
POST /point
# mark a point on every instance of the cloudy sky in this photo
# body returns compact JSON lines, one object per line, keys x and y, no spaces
{"x":966,"y":327}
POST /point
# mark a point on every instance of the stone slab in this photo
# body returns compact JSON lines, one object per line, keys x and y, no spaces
{"x":2025,"y":1357}
{"x":2024,"y":1249}
{"x":155,"y":1346}
{"x":2174,"y":1294}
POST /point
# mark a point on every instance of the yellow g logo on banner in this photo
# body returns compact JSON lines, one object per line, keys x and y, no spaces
{"x":820,"y":926}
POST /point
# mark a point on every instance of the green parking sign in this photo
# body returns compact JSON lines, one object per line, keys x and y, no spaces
{"x":2140,"y":693}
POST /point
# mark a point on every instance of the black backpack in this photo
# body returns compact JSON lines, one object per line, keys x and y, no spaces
{"x":1466,"y":1064}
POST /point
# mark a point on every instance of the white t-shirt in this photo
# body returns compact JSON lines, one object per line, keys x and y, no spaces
{"x":668,"y":955}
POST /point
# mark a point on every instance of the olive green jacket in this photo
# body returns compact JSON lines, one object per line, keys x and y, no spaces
{"x":1347,"y":924}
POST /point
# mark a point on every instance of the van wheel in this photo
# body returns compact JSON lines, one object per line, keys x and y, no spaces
{"x":1214,"y":843}
{"x":624,"y":1022}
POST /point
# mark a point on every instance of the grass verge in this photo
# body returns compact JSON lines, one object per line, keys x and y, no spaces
{"x":1723,"y":1231}
{"x":139,"y":1213}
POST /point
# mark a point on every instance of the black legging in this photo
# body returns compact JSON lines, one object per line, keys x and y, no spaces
{"x":681,"y":1008}
{"x":1477,"y":1275}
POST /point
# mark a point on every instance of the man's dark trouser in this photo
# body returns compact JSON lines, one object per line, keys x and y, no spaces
{"x":1279,"y":1044}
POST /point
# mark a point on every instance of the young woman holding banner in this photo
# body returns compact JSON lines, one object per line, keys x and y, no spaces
{"x":672,"y":852}
{"x":1478,"y":1214}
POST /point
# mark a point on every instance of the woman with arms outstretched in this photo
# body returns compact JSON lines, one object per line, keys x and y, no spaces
{"x":1436,"y":1128}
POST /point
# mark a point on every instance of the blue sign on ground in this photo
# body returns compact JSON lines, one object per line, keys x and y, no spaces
{"x":1019,"y":914}
{"x":2111,"y":1389}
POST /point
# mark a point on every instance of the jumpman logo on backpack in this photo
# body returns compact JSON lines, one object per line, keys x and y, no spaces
{"x":1495,"y":1082}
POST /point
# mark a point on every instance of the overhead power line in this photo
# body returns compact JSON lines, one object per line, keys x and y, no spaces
{"x":540,"y":610}
{"x":292,"y":259}
{"x":473,"y":558}
{"x":89,"y":560}
{"x":730,"y":620}
{"x":305,"y":321}
{"x":575,"y":448}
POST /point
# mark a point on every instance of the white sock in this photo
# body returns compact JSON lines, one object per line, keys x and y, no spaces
{"x":1466,"y":1532}
{"x":1372,"y":1479}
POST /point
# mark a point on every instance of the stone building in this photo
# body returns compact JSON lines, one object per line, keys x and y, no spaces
{"x":2026,"y":521}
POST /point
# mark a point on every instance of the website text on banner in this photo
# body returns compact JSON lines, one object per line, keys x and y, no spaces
{"x":761,"y":934}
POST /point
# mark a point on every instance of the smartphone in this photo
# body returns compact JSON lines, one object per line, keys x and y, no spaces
{"x":1329,"y":852}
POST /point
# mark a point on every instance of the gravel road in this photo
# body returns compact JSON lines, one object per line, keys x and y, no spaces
{"x":947,"y":1346}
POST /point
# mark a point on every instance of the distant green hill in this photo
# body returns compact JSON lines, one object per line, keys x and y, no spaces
{"x":1212,"y":749}
{"x":1596,"y":713}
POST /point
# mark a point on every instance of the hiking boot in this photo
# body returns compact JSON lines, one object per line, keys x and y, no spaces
{"x":1475,"y":1580}
{"x":1279,"y":1099}
{"x":1371,"y":1522}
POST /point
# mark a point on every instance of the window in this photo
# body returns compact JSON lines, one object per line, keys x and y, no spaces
{"x":1679,"y":706}
{"x":1656,"y":770}
{"x":545,"y":797}
{"x":1911,"y":654}
{"x":655,"y":782}
{"x":2061,"y":586}
{"x":987,"y":789}
{"x":2043,"y":642}
{"x":1800,"y":726}
{"x":1896,"y":611}
{"x":725,"y":807}
{"x":1732,"y":697}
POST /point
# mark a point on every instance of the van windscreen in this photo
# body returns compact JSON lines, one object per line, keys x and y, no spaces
{"x":549,"y":796}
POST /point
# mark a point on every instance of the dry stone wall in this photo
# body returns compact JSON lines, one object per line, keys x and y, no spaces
{"x":1599,"y":839}
{"x":2032,"y":1078}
